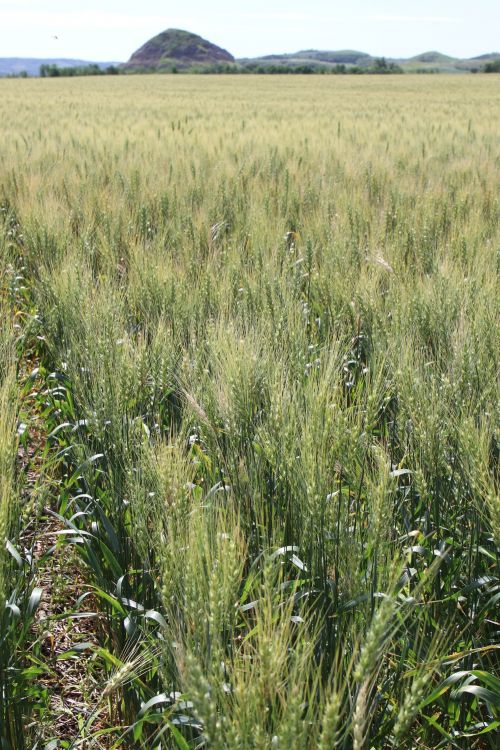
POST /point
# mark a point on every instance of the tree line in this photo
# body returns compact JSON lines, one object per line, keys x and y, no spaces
{"x":52,"y":70}
{"x":379,"y":66}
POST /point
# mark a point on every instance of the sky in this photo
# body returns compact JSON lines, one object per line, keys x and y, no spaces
{"x":110,"y":30}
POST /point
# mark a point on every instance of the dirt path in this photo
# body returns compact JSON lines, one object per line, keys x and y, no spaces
{"x":66,"y":632}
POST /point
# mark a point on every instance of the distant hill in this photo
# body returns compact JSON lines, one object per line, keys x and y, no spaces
{"x":343,"y":56}
{"x":426,"y":62}
{"x":479,"y":62}
{"x":432,"y":57}
{"x":179,"y":50}
{"x":312,"y":58}
{"x":488,"y":57}
{"x":439,"y":63}
{"x":175,"y":48}
{"x":31,"y":65}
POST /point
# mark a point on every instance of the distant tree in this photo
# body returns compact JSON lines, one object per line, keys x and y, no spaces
{"x":492,"y":67}
{"x":92,"y":69}
{"x":380,"y":65}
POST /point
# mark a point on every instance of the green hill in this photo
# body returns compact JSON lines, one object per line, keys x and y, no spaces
{"x":436,"y":62}
{"x":432,"y":57}
{"x":179,"y":49}
{"x":488,"y":57}
{"x":312,"y":58}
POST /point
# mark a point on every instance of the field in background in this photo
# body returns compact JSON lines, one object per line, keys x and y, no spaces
{"x":255,"y":326}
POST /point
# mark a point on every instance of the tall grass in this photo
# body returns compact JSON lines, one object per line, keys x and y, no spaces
{"x":266,"y":313}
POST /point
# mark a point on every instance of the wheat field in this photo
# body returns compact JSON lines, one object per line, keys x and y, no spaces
{"x":249,"y":426}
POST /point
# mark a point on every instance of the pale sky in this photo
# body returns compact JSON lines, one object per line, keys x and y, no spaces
{"x":104,"y":30}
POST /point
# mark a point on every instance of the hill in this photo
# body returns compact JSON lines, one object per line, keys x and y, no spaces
{"x":439,"y":63}
{"x":432,"y":57}
{"x":179,"y":49}
{"x":31,"y":65}
{"x":175,"y":49}
{"x":426,"y":62}
{"x":313,"y":59}
{"x":334,"y":57}
{"x":488,"y":57}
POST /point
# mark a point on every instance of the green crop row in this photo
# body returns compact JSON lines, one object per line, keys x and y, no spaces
{"x":264,"y":314}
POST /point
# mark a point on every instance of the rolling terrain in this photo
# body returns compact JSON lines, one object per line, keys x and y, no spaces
{"x":176,"y":50}
{"x":425,"y":63}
